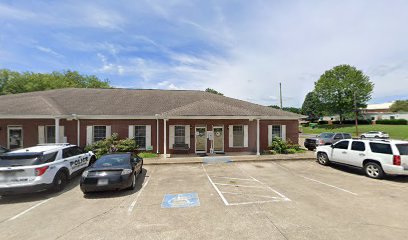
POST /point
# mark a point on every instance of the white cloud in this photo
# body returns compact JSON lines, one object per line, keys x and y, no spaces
{"x":49,"y":51}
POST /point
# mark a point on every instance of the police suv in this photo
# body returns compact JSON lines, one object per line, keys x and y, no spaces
{"x":43,"y":167}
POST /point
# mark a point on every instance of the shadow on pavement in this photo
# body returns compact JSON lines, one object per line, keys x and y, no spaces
{"x":37,"y":196}
{"x":113,"y":194}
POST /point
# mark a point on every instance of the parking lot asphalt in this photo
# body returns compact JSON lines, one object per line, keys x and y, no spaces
{"x":250,"y":200}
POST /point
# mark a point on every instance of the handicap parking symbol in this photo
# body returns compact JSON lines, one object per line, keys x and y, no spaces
{"x":183,"y":200}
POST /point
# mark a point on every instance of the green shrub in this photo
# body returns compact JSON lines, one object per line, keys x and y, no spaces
{"x":112,"y":144}
{"x":290,"y":151}
{"x":148,"y":155}
{"x":278,"y":145}
{"x":393,"y":122}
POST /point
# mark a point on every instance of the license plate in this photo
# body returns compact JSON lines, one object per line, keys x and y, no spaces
{"x":6,"y":177}
{"x":102,"y":182}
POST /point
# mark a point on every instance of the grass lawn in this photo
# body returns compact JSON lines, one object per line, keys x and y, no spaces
{"x":148,"y":155}
{"x":395,"y":131}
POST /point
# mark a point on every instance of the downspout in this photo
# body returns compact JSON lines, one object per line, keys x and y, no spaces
{"x":157,"y":133}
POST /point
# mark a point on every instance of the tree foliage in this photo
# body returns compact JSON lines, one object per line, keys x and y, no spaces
{"x":12,"y":82}
{"x":312,"y":106}
{"x":338,"y":89}
{"x":288,"y":109}
{"x":399,"y":106}
{"x":210,"y":90}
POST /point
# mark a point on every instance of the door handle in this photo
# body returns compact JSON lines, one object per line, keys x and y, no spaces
{"x":344,"y":152}
{"x":361,"y":154}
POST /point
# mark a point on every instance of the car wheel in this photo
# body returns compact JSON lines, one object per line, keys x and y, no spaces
{"x":377,"y":137}
{"x":60,"y":181}
{"x":322,"y":159}
{"x":133,"y":186}
{"x":373,"y":170}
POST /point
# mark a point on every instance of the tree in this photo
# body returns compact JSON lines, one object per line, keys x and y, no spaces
{"x":399,"y":106}
{"x":312,"y":106}
{"x":210,"y":90}
{"x":339,"y":88}
{"x":288,"y":109}
{"x":12,"y":82}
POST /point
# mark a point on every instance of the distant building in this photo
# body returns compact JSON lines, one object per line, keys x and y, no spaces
{"x":382,"y":112}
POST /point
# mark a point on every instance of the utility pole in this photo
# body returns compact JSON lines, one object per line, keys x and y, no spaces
{"x":356,"y":111}
{"x":280,"y":94}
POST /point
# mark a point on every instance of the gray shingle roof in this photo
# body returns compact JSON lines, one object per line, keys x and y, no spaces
{"x":130,"y":102}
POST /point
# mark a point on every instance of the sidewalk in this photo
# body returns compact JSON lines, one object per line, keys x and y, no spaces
{"x":220,"y":159}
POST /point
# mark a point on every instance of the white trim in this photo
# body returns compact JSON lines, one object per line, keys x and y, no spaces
{"x":78,"y":132}
{"x":283,"y":132}
{"x":112,"y":117}
{"x":61,"y":137}
{"x":257,"y":137}
{"x":245,"y":135}
{"x":89,"y":135}
{"x":108,"y":132}
{"x":165,"y":138}
{"x":57,"y":131}
{"x":41,"y":134}
{"x":15,"y":127}
{"x":231,"y":136}
{"x":171,"y":136}
{"x":131,"y":131}
{"x":223,"y":146}
{"x":195,"y":138}
{"x":187,"y":135}
{"x":148,"y":136}
{"x":269,"y":135}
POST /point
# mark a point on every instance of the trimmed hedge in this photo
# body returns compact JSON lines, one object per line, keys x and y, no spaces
{"x":323,"y":122}
{"x":392,"y":122}
{"x":360,"y":121}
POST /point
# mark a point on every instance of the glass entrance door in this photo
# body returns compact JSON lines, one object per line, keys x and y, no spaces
{"x":201,"y":139}
{"x":15,"y":137}
{"x":218,"y":139}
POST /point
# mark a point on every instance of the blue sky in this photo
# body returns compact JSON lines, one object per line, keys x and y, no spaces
{"x":241,"y":48}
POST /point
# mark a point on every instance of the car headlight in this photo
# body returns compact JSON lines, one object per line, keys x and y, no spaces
{"x":126,"y":171}
{"x":85,"y":173}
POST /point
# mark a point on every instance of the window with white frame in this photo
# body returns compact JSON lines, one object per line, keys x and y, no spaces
{"x":179,"y":134}
{"x":140,"y":136}
{"x":238,"y":135}
{"x":276,"y":131}
{"x":49,"y":134}
{"x":99,"y":133}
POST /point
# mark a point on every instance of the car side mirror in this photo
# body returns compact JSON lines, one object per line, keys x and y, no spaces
{"x":332,"y":146}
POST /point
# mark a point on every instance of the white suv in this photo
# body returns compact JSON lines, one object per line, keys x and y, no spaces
{"x":375,"y":134}
{"x":41,"y":167}
{"x":376,"y":157}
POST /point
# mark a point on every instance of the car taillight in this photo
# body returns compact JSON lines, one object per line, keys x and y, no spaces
{"x":40,"y":171}
{"x":321,"y":142}
{"x":397,"y":160}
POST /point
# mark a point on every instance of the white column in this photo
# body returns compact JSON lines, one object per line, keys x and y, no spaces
{"x":78,"y":132}
{"x":165,"y":138}
{"x":57,"y":130}
{"x":157,"y":137}
{"x":257,"y":137}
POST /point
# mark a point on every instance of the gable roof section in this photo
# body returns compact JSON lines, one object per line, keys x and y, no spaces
{"x":129,"y":102}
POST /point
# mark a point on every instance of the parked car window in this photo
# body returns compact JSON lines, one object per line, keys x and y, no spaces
{"x":326,"y":135}
{"x":66,"y":153}
{"x":49,"y":157}
{"x":381,"y":148}
{"x":342,"y":145}
{"x":347,"y":136}
{"x":358,"y":146}
{"x":338,"y":136}
{"x":114,"y":160}
{"x":75,"y":151}
{"x":402,"y":148}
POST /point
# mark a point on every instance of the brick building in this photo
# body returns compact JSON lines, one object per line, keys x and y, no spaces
{"x":162,"y":121}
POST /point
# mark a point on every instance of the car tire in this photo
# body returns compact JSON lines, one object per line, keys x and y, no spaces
{"x":60,"y":181}
{"x":374,"y":170}
{"x":377,"y":137}
{"x":323,"y":159}
{"x":133,"y":186}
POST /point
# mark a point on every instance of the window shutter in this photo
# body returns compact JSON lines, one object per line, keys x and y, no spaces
{"x":171,"y":136}
{"x":187,"y":135}
{"x":283,"y":132}
{"x":41,"y":134}
{"x":245,"y":135}
{"x":148,"y":136}
{"x":269,"y":135}
{"x":108,"y":131}
{"x":89,"y":135}
{"x":231,"y":136}
{"x":61,"y":134}
{"x":131,"y":133}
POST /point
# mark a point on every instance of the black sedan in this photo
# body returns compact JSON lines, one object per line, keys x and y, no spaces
{"x":112,"y":172}
{"x":3,"y":150}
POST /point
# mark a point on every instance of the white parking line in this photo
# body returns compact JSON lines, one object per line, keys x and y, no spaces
{"x":314,"y":180}
{"x":233,"y":178}
{"x":256,"y":195}
{"x":215,"y":187}
{"x":236,"y":185}
{"x":133,"y":204}
{"x":27,"y":210}
{"x":268,"y":201}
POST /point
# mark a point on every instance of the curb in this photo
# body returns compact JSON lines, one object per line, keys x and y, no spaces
{"x":232,"y":161}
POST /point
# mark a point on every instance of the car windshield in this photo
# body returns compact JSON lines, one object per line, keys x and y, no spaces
{"x":403,"y":149}
{"x":19,"y":156}
{"x":326,"y":135}
{"x":113,"y":160}
{"x":20,"y":159}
